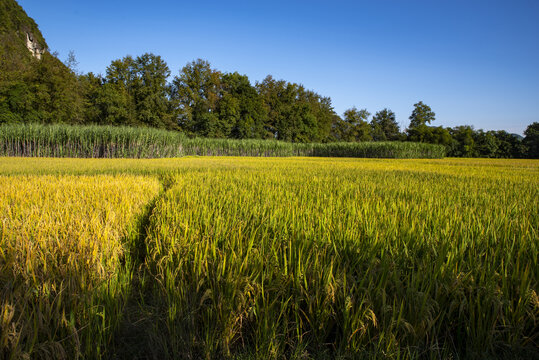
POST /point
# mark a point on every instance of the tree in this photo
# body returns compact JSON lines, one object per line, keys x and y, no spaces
{"x":509,"y":145}
{"x":195,"y":93}
{"x":421,"y":115}
{"x":241,"y":110}
{"x":418,"y":130}
{"x":271,"y":92}
{"x":71,"y":62}
{"x":150,"y":91}
{"x":294,"y":113}
{"x":357,"y":128}
{"x":116,"y":100}
{"x":430,"y":134}
{"x":281,"y":100}
{"x":33,"y":89}
{"x":384,"y":126}
{"x":531,"y":140}
{"x":114,"y":106}
{"x":322,"y":112}
{"x":438,"y":135}
{"x":90,"y":87}
{"x":463,"y":141}
{"x":486,"y":143}
{"x":136,"y":92}
{"x":51,"y":93}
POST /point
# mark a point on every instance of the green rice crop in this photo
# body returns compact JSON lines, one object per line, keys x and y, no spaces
{"x":127,"y":142}
{"x":350,"y":260}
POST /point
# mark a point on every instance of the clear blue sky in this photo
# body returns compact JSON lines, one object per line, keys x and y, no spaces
{"x":474,"y":62}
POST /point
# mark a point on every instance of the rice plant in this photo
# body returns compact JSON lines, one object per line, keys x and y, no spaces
{"x":354,"y":260}
{"x":269,"y":258}
{"x":64,"y":261}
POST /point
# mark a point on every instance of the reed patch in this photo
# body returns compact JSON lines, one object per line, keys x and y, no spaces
{"x":37,"y":140}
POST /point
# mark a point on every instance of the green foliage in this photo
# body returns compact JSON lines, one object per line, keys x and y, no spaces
{"x":45,"y":92}
{"x":467,"y":142}
{"x":381,"y":149}
{"x":194,"y":94}
{"x":14,"y":20}
{"x":202,"y":101}
{"x":88,"y":141}
{"x":531,"y":140}
{"x":464,"y":141}
{"x":128,"y":142}
{"x":294,"y":113}
{"x":245,"y":114}
{"x":354,"y":126}
{"x":33,"y":90}
{"x":430,"y":134}
{"x":135,"y":92}
{"x":486,"y":143}
{"x":510,"y":145}
{"x":421,"y":115}
{"x":384,"y":126}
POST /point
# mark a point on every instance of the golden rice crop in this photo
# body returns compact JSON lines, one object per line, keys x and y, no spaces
{"x":62,"y":244}
{"x":527,"y":170}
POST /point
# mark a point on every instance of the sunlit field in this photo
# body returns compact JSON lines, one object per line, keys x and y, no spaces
{"x":269,"y":258}
{"x":64,"y":245}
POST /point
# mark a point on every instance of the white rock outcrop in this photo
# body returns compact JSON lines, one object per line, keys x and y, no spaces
{"x":33,"y":46}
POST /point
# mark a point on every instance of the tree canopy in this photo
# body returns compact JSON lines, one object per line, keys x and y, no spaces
{"x":531,"y":140}
{"x":203,"y":101}
{"x":422,"y":115}
{"x":384,"y":126}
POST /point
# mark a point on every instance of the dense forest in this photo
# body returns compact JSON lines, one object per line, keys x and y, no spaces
{"x":202,"y":101}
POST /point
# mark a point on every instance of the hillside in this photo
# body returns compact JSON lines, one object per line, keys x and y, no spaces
{"x":18,"y":33}
{"x":34,"y":85}
{"x":14,"y":19}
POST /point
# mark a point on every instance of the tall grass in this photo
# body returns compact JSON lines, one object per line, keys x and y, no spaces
{"x":88,"y":141}
{"x":126,"y":142}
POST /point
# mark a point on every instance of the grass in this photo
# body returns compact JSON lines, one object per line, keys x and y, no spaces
{"x":273,"y":258}
{"x":128,"y":142}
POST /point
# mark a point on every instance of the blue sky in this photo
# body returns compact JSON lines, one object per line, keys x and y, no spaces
{"x":474,"y":62}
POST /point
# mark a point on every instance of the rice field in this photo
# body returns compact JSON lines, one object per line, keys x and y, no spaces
{"x":269,"y":258}
{"x":65,"y":247}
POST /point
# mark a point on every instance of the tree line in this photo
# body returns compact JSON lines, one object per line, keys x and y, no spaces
{"x":202,"y":101}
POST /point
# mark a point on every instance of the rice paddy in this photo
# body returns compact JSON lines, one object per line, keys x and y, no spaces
{"x":269,"y":258}
{"x":64,"y":247}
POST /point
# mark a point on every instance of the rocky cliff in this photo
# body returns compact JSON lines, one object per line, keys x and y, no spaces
{"x":19,"y":32}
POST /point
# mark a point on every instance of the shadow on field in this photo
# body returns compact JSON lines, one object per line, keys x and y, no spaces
{"x":136,"y":336}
